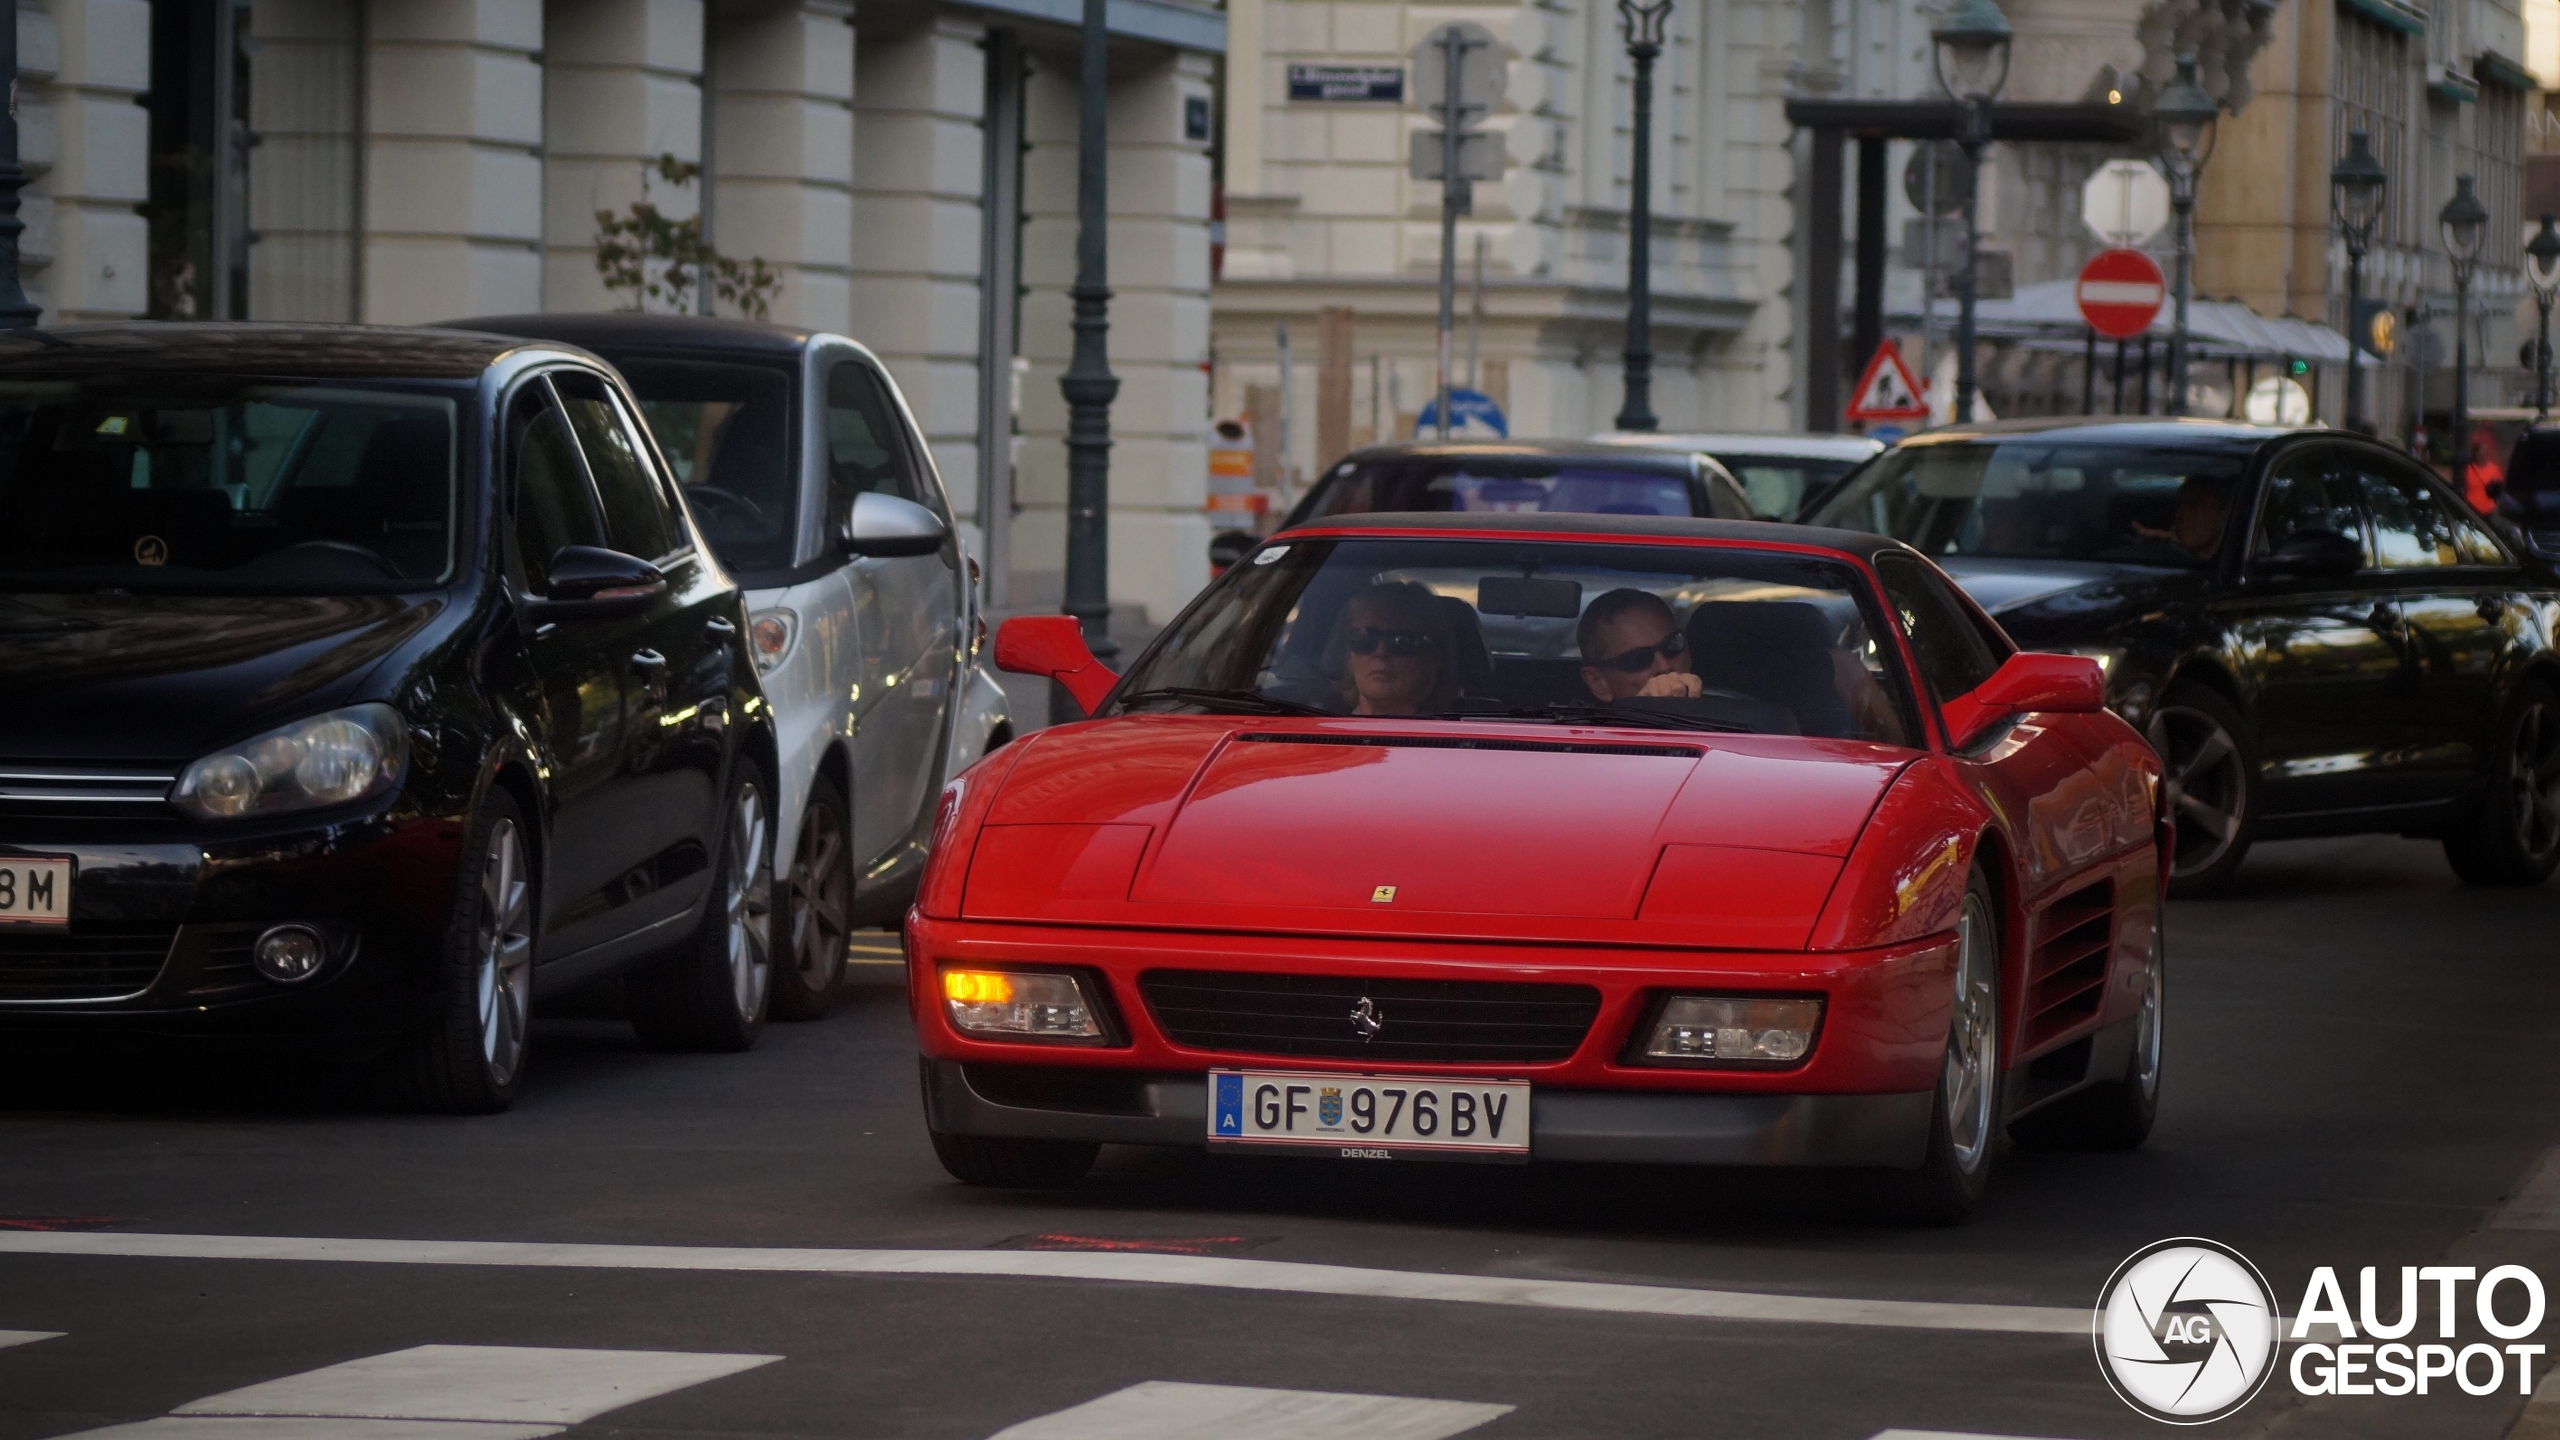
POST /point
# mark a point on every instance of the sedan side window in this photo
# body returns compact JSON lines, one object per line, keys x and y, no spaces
{"x":553,"y":505}
{"x":2415,"y":526}
{"x":866,"y":450}
{"x":1954,"y":656}
{"x":2312,"y":490}
{"x":637,"y":518}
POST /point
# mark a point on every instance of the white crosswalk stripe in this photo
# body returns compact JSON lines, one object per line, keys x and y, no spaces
{"x":1165,"y":1410}
{"x":440,"y":1392}
{"x":26,"y":1337}
{"x":1939,"y":1435}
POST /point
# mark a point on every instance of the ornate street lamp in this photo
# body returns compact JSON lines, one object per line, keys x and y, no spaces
{"x":2355,"y":196}
{"x":2464,"y":221}
{"x":1971,"y":51}
{"x":2542,"y":268}
{"x":1641,"y":25}
{"x":16,"y":311}
{"x":1088,"y":384}
{"x":2183,"y":120}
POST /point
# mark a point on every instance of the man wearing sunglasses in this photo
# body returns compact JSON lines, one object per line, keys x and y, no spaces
{"x":1632,"y":647}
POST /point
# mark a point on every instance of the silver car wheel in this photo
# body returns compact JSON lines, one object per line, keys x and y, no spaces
{"x":2533,"y":775}
{"x":1973,"y":1042}
{"x":2147,"y":1027}
{"x":503,"y":940}
{"x":748,"y":900}
{"x":2206,"y":784}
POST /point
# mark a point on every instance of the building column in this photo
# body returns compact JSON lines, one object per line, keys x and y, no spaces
{"x":919,"y":100}
{"x":781,"y":80}
{"x":86,"y":253}
{"x":622,"y":85}
{"x":1159,"y":199}
{"x":453,"y":200}
{"x":304,"y":182}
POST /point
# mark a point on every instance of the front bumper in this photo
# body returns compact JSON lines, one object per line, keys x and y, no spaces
{"x":1633,"y":1127}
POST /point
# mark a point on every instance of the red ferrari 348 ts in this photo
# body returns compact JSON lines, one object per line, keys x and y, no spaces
{"x":1555,"y":838}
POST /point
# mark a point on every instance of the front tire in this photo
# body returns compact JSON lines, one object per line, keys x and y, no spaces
{"x":1964,"y":1123}
{"x":819,"y":901}
{"x":2515,"y":837}
{"x":470,"y":1059}
{"x":713,"y":992}
{"x":1004,"y":1162}
{"x":2211,"y":777}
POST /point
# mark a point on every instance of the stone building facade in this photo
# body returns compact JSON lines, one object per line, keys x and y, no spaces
{"x":906,"y":168}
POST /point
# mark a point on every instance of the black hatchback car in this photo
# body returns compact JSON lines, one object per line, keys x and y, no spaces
{"x":2319,"y":637}
{"x":363,"y":684}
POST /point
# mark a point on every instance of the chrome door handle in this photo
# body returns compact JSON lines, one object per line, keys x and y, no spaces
{"x":648,"y":660}
{"x":718,"y":629}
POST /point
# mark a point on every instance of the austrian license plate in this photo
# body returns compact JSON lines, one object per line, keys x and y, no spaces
{"x":1370,"y":1117}
{"x":35,"y":890}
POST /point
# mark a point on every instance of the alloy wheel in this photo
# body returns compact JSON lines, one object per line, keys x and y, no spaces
{"x":2206,"y":783}
{"x":749,"y":904}
{"x":503,"y":940}
{"x":2533,"y":777}
{"x":820,"y":902}
{"x":1973,"y":1047}
{"x":2147,"y":1026}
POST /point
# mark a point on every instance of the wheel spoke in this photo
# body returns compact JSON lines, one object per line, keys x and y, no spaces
{"x":2209,"y":755}
{"x":2222,"y":823}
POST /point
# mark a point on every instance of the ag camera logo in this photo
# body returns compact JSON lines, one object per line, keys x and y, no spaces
{"x":2186,"y":1331}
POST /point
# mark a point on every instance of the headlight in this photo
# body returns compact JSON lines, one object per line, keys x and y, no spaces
{"x":1003,"y":1003}
{"x":331,"y":759}
{"x":772,"y":632}
{"x":1734,"y":1030}
{"x":2107,"y":660}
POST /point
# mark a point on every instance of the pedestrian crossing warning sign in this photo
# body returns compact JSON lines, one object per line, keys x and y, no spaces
{"x":1886,"y":389}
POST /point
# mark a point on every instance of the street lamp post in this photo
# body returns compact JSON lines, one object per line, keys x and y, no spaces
{"x":2184,"y":118}
{"x":1641,"y":24}
{"x":2542,"y":268}
{"x":1088,"y":384}
{"x":2355,"y":193}
{"x":1971,"y":50}
{"x":2464,"y":221}
{"x":16,"y":311}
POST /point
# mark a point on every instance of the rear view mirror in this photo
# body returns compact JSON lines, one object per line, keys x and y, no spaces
{"x":1054,"y":646}
{"x":2027,"y":683}
{"x":1529,"y":595}
{"x":1228,"y":548}
{"x":596,"y":580}
{"x":885,"y":527}
{"x":2312,"y":554}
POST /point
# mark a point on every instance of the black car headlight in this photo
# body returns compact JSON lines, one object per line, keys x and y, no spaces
{"x":332,"y":759}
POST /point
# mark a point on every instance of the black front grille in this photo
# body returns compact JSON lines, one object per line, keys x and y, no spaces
{"x":82,"y":964}
{"x":82,"y":791}
{"x":1455,"y":1022}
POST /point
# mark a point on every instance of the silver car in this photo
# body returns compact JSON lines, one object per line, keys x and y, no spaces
{"x":1781,"y":473}
{"x":804,"y":469}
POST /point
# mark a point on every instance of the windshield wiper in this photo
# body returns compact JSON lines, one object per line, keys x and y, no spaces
{"x":1638,"y":717}
{"x":1235,"y":702}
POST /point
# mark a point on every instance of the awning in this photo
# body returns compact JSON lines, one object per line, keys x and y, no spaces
{"x":2048,"y":315}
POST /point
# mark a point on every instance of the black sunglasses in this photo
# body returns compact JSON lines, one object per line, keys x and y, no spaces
{"x":1672,"y":647}
{"x":1404,"y":644}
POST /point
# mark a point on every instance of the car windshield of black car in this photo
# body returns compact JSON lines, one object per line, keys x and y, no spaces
{"x":1480,"y":484}
{"x":223,"y":485}
{"x":2039,"y":498}
{"x":1779,"y":642}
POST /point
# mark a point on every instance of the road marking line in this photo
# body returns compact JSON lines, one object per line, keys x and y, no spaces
{"x":26,"y":1337}
{"x":1938,"y":1435}
{"x":1166,"y":1410}
{"x":269,"y":1427}
{"x":491,"y":1383}
{"x":1211,"y":1272}
{"x":2536,"y":1205}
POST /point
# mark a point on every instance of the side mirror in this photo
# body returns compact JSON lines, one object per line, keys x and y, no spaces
{"x":1229,"y":547}
{"x":2311,"y":554}
{"x":885,"y":527}
{"x":590,"y":580}
{"x":1053,"y":645}
{"x":2025,"y":684}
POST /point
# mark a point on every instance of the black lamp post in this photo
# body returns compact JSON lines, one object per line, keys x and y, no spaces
{"x":1088,"y":385}
{"x":1641,"y":25}
{"x":2355,"y":194}
{"x":16,"y":311}
{"x":1971,"y":49}
{"x":2464,"y":221}
{"x":2542,"y":269}
{"x":2184,"y":121}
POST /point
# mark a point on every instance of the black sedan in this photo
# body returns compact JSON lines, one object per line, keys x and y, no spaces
{"x":365,"y":685}
{"x":2317,"y":634}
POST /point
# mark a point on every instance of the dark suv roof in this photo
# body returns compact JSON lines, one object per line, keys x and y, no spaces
{"x":2117,"y":430}
{"x":246,"y":347}
{"x":620,"y":330}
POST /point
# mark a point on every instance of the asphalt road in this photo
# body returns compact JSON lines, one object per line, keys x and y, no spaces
{"x":2360,"y":1072}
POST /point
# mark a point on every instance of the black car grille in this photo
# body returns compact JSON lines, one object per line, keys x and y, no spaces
{"x":82,"y":791}
{"x":1457,"y":1022}
{"x":90,"y":964}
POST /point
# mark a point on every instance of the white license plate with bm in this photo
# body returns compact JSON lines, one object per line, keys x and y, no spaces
{"x":1370,"y":1117}
{"x":35,"y":890}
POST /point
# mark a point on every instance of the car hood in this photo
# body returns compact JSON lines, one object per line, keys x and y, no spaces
{"x":161,"y":678}
{"x":1355,"y":827}
{"x":2066,"y":602}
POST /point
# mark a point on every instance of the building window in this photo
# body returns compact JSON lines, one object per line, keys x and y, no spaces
{"x":2373,"y":84}
{"x":2498,"y":171}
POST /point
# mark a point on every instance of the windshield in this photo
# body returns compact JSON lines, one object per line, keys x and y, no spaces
{"x":1780,"y":484}
{"x":224,"y":485}
{"x":1481,"y":483}
{"x":1657,"y":636}
{"x":2044,"y":499}
{"x":726,"y":430}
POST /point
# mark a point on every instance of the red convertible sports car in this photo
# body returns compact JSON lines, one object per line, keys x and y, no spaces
{"x":1553,"y":838}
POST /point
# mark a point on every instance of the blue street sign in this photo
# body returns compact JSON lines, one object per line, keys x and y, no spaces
{"x":1472,"y":415}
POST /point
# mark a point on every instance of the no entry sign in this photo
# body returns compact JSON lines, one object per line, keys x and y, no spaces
{"x":2120,"y":293}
